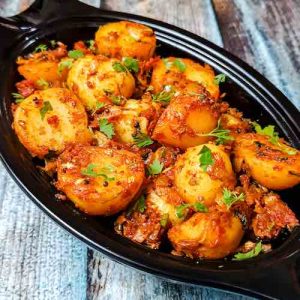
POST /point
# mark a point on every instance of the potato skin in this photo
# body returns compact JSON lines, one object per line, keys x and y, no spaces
{"x":184,"y":119}
{"x":65,"y":123}
{"x":211,"y":235}
{"x":126,"y":39}
{"x":196,"y":185}
{"x":163,"y":75}
{"x":266,"y":162}
{"x":93,"y":79}
{"x":96,"y":195}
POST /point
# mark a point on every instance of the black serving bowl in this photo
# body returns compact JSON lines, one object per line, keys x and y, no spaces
{"x":271,"y":275}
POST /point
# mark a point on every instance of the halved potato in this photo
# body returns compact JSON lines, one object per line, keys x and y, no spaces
{"x":171,"y":70}
{"x":126,"y":39}
{"x":275,"y":166}
{"x":210,"y":235}
{"x":93,"y":79}
{"x":194,"y":183}
{"x":100,"y":181}
{"x":184,"y":121}
{"x":48,"y":120}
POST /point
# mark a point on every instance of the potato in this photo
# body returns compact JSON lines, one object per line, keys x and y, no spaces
{"x":48,"y":120}
{"x":194,"y":184}
{"x":171,"y":71}
{"x":93,"y":79}
{"x":275,"y":166}
{"x":211,"y":235}
{"x":126,"y":39}
{"x":100,"y":181}
{"x":184,"y":120}
{"x":135,"y":116}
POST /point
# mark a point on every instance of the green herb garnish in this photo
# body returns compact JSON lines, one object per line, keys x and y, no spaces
{"x":179,"y":64}
{"x":155,"y":168}
{"x":99,"y":105}
{"x":219,"y":78}
{"x":42,"y":83}
{"x":64,"y":64}
{"x":142,"y":140}
{"x":163,"y":97}
{"x":168,"y":64}
{"x":45,"y":108}
{"x":75,"y":54}
{"x":230,"y":197}
{"x":164,"y":220}
{"x":53,"y":43}
{"x":206,"y":158}
{"x":181,"y":210}
{"x":90,"y":171}
{"x":106,"y":128}
{"x":117,"y":100}
{"x":118,"y":67}
{"x":91,"y":44}
{"x":252,"y":253}
{"x":131,"y":64}
{"x":18,"y":97}
{"x":140,"y":204}
{"x":40,"y":48}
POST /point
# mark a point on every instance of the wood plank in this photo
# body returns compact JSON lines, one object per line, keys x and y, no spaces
{"x":266,"y":34}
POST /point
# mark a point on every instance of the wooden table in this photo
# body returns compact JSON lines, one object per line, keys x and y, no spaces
{"x":39,"y":260}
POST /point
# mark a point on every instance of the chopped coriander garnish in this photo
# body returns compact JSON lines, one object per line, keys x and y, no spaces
{"x":64,"y":64}
{"x":106,"y":128}
{"x":117,"y":100}
{"x":53,"y":43}
{"x":118,"y":67}
{"x":99,"y":105}
{"x":75,"y":54}
{"x":164,"y":220}
{"x":222,"y":135}
{"x":179,"y":64}
{"x":205,"y":158}
{"x":42,"y":83}
{"x":18,"y":97}
{"x":219,"y":78}
{"x":230,"y":197}
{"x":181,"y":210}
{"x":155,"y":168}
{"x":142,"y":140}
{"x":163,"y":97}
{"x":131,"y":64}
{"x":45,"y":108}
{"x":40,"y":48}
{"x":91,"y":44}
{"x":168,"y":64}
{"x":252,"y":253}
{"x":90,"y":171}
{"x":140,"y":204}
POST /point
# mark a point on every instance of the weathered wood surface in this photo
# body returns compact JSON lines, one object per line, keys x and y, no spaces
{"x":38,"y":260}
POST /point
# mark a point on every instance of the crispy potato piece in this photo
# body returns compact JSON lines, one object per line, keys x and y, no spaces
{"x":126,"y":39}
{"x":48,"y":120}
{"x":148,"y":226}
{"x":209,"y":235}
{"x":135,"y":116}
{"x":93,"y":79}
{"x":168,"y":72}
{"x":184,"y":120}
{"x":269,"y":164}
{"x":100,"y":181}
{"x":194,"y":184}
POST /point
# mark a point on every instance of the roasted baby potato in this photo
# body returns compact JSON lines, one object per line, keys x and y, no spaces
{"x":275,"y":166}
{"x":48,"y":120}
{"x":94,"y":79}
{"x":185,"y":120}
{"x":100,"y":181}
{"x":171,"y":70}
{"x":126,"y":39}
{"x":210,"y":235}
{"x":203,"y":182}
{"x":135,"y":116}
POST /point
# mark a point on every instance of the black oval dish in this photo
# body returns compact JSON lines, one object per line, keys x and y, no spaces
{"x":272,"y":275}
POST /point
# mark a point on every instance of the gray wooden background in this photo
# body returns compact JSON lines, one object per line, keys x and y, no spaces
{"x":38,"y":260}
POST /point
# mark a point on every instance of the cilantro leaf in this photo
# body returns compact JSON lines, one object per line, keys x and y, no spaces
{"x":164,"y":220}
{"x":64,"y":64}
{"x":53,"y":43}
{"x":155,"y":168}
{"x":219,"y":78}
{"x":90,"y":171}
{"x":179,"y":64}
{"x":91,"y":44}
{"x":75,"y":54}
{"x":99,"y":105}
{"x":200,"y":207}
{"x":230,"y":197}
{"x":181,"y":210}
{"x":18,"y":97}
{"x":42,"y":83}
{"x":206,"y":158}
{"x":40,"y":48}
{"x":141,"y":204}
{"x":252,"y":253}
{"x":142,"y":140}
{"x":45,"y":108}
{"x":106,"y":128}
{"x":131,"y":64}
{"x":163,"y":97}
{"x":117,"y":100}
{"x":118,"y":67}
{"x":168,"y":64}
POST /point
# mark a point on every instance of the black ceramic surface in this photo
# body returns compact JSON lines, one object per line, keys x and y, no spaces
{"x":272,"y":275}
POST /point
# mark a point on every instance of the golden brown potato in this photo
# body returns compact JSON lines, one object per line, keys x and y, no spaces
{"x":100,"y":181}
{"x":275,"y":166}
{"x":126,"y":39}
{"x":48,"y":120}
{"x":209,"y":235}
{"x":194,"y":183}
{"x":170,"y":71}
{"x":184,"y":120}
{"x":93,"y":79}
